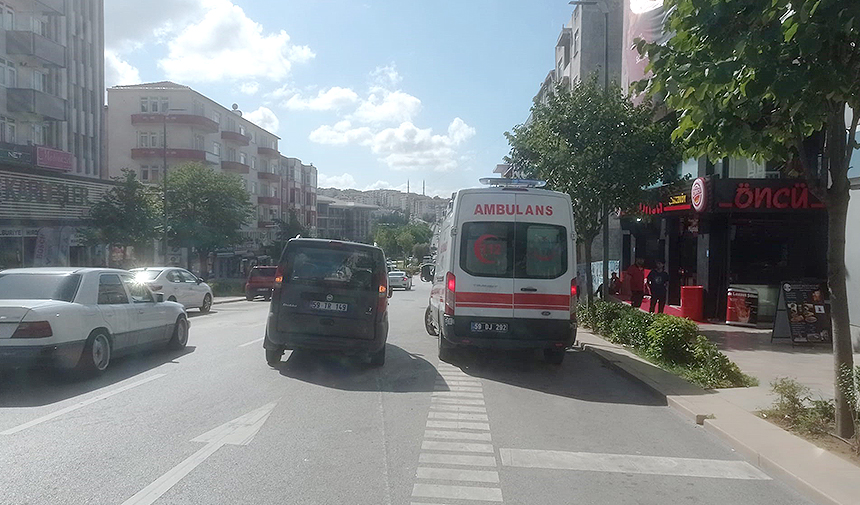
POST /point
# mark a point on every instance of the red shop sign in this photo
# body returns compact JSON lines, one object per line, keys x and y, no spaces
{"x":764,"y":194}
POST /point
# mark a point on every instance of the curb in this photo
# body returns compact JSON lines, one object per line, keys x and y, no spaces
{"x":231,"y":300}
{"x":829,"y":480}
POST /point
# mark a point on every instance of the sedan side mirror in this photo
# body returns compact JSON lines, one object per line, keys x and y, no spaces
{"x":159,"y":297}
{"x":199,"y":281}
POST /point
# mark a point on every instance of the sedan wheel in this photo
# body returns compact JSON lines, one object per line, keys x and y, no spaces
{"x":180,"y":335}
{"x":97,"y":354}
{"x":207,"y":303}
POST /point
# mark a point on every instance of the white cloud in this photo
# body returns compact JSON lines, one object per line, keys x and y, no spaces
{"x":387,"y":107}
{"x":328,"y":99}
{"x":264,"y":118}
{"x":341,"y":133}
{"x":385,"y":185}
{"x":459,"y":131}
{"x":386,"y":77}
{"x":225,"y":44}
{"x":343,"y":181}
{"x":118,"y":71}
{"x":130,"y":22}
{"x":249,"y":88}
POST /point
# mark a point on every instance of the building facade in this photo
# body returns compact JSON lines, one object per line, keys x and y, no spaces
{"x":300,"y":192}
{"x":341,"y":220}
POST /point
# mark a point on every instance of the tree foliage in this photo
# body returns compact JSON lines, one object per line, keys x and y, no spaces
{"x":206,"y":209}
{"x":397,"y":241}
{"x":779,"y":88}
{"x":127,"y":214}
{"x":596,"y":146}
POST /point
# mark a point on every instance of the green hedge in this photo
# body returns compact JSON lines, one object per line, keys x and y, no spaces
{"x":227,"y":287}
{"x":671,"y":342}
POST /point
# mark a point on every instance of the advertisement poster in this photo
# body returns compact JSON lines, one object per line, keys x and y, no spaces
{"x":803,"y":313}
{"x":742,"y":307}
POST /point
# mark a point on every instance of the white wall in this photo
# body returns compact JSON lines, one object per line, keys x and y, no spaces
{"x":852,"y":262}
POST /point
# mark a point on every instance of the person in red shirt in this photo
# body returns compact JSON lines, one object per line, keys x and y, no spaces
{"x":636,"y":274}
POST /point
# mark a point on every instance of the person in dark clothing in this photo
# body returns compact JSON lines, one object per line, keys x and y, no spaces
{"x":658,"y":283}
{"x":636,"y":273}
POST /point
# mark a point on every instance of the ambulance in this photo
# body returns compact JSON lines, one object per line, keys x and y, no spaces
{"x":505,"y":271}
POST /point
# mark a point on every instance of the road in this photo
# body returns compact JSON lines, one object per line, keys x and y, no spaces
{"x":213,"y":424}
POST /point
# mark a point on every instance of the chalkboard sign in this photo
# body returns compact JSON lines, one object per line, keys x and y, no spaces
{"x":803,"y":313}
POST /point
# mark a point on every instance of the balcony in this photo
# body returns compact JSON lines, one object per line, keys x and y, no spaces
{"x":50,"y":7}
{"x":268,"y":200}
{"x":174,"y":154}
{"x":193,"y":120}
{"x":42,"y":49}
{"x":266,"y":176}
{"x":234,"y":167}
{"x":29,"y":101}
{"x":269,"y":152}
{"x":236,"y":138}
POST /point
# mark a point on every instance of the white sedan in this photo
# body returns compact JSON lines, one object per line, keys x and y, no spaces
{"x":399,"y":279}
{"x":82,"y":317}
{"x":178,"y":285}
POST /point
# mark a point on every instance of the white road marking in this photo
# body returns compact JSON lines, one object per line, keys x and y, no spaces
{"x":457,"y":459}
{"x":457,"y":492}
{"x":459,"y":474}
{"x":458,"y":408}
{"x":459,"y":394}
{"x":458,"y":383}
{"x":89,"y":401}
{"x":446,"y":387}
{"x":456,"y":401}
{"x":458,"y":435}
{"x":432,"y":445}
{"x":457,"y":416}
{"x":458,"y":425}
{"x":251,"y":342}
{"x":239,"y":431}
{"x":629,"y":463}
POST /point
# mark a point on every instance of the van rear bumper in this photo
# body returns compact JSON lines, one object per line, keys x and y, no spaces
{"x":521,"y":334}
{"x":293,"y":340}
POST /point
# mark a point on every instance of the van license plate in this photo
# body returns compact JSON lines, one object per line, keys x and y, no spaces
{"x":332,"y":306}
{"x":478,"y":327}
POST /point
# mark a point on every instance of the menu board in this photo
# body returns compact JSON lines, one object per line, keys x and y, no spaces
{"x":803,"y":312}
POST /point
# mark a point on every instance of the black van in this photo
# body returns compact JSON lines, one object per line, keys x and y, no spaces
{"x":329,"y":295}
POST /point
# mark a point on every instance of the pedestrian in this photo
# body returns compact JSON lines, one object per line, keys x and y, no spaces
{"x":658,"y":283}
{"x":636,"y":273}
{"x":614,"y":284}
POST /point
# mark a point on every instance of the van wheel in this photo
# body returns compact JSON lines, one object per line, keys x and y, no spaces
{"x":377,"y":359}
{"x":428,"y":323}
{"x":446,"y":350}
{"x":273,"y":356}
{"x":554,"y":356}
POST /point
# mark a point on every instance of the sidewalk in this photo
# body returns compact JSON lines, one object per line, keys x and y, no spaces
{"x":227,"y":299}
{"x":821,"y":476}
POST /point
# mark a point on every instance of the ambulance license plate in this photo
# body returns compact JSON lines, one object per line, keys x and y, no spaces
{"x":480,"y":327}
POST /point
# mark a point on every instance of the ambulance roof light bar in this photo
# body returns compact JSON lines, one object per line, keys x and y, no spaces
{"x":512,"y":183}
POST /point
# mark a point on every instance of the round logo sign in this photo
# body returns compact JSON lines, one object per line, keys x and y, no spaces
{"x":698,"y":195}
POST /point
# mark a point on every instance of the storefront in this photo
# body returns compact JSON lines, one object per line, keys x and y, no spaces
{"x":730,"y":233}
{"x":41,"y":215}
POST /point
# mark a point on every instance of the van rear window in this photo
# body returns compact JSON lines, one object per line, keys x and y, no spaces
{"x":517,"y":250}
{"x":342,"y":268}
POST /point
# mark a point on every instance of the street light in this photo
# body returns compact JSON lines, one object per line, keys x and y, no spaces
{"x":164,"y":116}
{"x":604,"y":8}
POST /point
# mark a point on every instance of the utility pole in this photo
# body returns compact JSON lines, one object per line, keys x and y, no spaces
{"x":164,"y":196}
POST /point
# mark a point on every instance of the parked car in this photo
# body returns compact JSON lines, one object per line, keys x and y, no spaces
{"x":82,"y":317}
{"x":329,"y":295}
{"x":260,"y":282}
{"x":399,"y":279}
{"x":178,"y":285}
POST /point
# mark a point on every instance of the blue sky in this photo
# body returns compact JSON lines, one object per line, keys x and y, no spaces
{"x":374,"y":93}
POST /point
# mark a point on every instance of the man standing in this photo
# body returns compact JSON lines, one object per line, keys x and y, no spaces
{"x":636,"y":273}
{"x":658,"y":283}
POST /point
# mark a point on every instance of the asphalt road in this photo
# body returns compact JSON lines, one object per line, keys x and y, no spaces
{"x":214,"y":424}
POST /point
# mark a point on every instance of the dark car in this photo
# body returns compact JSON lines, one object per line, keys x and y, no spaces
{"x":329,"y":295}
{"x":260,"y":282}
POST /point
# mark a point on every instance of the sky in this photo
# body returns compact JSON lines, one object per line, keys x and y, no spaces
{"x":373,"y":93}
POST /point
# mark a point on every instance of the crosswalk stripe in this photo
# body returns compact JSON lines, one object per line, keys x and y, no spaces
{"x":458,"y":425}
{"x":432,"y":445}
{"x":460,"y":394}
{"x":458,"y":474}
{"x":447,"y":387}
{"x":458,"y":416}
{"x":457,"y":492}
{"x":458,"y":408}
{"x":456,"y":401}
{"x":458,"y":435}
{"x":457,"y":459}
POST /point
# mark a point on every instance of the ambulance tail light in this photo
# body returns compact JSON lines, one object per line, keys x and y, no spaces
{"x":450,"y":293}
{"x":573,"y":291}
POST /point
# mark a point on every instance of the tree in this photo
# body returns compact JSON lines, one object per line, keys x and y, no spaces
{"x":127,"y":215}
{"x":421,"y":250}
{"x":386,"y":238}
{"x":405,"y":239}
{"x":780,"y":88}
{"x":206,"y":209}
{"x":287,"y":229}
{"x":596,"y":146}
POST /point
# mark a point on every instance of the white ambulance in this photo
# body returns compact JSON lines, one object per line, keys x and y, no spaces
{"x":505,"y":271}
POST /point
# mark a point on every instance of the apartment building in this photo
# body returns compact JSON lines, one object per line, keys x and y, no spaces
{"x":580,"y":50}
{"x":300,"y":192}
{"x":342,"y":220}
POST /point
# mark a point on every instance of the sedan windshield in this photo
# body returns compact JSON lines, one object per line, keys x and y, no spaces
{"x":29,"y":286}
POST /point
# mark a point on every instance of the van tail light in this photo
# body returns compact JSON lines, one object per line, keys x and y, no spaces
{"x":382,"y":301}
{"x":279,"y":276}
{"x":450,"y":293}
{"x":573,"y":291}
{"x":36,"y":329}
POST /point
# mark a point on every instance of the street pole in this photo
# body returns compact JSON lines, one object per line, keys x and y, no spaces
{"x":164,"y":196}
{"x":605,"y":206}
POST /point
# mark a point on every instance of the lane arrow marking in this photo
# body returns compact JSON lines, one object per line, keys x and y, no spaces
{"x":239,"y":431}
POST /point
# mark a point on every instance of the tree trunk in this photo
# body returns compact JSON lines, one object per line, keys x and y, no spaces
{"x":589,"y":282}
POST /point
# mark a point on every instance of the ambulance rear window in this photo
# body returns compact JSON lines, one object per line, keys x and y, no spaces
{"x":514,"y":250}
{"x":487,"y":249}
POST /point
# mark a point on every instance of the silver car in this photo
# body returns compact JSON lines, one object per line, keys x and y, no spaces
{"x":178,"y":285}
{"x":399,"y":279}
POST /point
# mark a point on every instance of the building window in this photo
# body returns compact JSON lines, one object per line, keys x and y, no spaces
{"x":39,"y":134}
{"x":253,"y":187}
{"x":165,"y":104}
{"x":143,"y":139}
{"x":576,"y":42}
{"x":216,"y":116}
{"x":265,"y":165}
{"x":11,"y":75}
{"x":144,"y":105}
{"x":231,"y":154}
{"x":216,"y":148}
{"x":154,"y":176}
{"x":199,"y":142}
{"x":144,"y":173}
{"x":254,"y":162}
{"x":243,"y":158}
{"x":242,"y":130}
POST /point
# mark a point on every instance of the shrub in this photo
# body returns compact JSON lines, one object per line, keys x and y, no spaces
{"x":584,"y":314}
{"x":631,"y":329}
{"x":227,"y":287}
{"x":713,"y":369}
{"x":797,"y":411}
{"x":604,"y":314}
{"x":670,"y":338}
